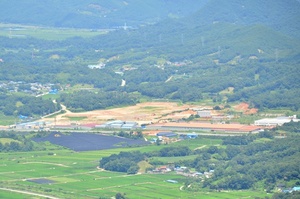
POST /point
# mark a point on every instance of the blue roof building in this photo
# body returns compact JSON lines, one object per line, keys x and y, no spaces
{"x":296,"y":189}
{"x":166,"y":134}
{"x":53,"y":92}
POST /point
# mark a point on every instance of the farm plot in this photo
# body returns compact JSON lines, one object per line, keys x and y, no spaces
{"x":89,"y":142}
{"x":75,"y":175}
{"x":41,"y":181}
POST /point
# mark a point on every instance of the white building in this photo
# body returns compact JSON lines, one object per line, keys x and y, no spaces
{"x":278,"y":121}
{"x":204,"y":113}
{"x":118,"y":124}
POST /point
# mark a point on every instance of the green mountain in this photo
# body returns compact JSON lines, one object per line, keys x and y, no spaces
{"x":281,"y":15}
{"x":94,"y":13}
{"x":202,"y":55}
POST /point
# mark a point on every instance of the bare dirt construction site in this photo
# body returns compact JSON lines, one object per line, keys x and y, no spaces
{"x":245,"y":109}
{"x":142,"y":113}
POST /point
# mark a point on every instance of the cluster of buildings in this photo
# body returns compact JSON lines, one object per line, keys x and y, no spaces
{"x":168,"y":131}
{"x":199,"y":126}
{"x":31,"y":88}
{"x":181,"y":170}
{"x":169,"y":137}
{"x":265,"y":122}
{"x":31,"y":126}
{"x":118,"y":124}
{"x":283,"y":189}
{"x":207,"y":114}
{"x":97,"y":66}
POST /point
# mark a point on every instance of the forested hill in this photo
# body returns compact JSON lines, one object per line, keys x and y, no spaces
{"x":227,"y":50}
{"x":281,"y":15}
{"x":94,"y":14}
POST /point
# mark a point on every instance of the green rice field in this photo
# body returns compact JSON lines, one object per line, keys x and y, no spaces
{"x":76,"y":175}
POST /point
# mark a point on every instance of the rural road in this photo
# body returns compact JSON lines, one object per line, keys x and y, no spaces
{"x":63,"y":108}
{"x":29,"y":193}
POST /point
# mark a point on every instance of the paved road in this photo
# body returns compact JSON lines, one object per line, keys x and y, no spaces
{"x":29,"y":193}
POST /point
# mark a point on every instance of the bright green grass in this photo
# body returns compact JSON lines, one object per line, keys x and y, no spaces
{"x":6,"y":120}
{"x":11,"y":195}
{"x":75,"y":175}
{"x":149,"y":107}
{"x":77,"y":118}
{"x":247,"y":119}
{"x":7,"y":140}
{"x":191,"y":143}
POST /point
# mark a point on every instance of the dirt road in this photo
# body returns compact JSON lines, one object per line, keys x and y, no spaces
{"x":29,"y":193}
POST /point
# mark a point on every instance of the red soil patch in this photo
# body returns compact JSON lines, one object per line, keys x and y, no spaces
{"x":244,"y":107}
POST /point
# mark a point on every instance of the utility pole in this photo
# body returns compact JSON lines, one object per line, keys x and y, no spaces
{"x":202,"y":41}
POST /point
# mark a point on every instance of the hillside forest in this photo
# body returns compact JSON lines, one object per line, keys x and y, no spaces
{"x":226,"y":58}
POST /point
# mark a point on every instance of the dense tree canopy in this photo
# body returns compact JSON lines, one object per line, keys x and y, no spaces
{"x":13,"y":105}
{"x":17,"y":142}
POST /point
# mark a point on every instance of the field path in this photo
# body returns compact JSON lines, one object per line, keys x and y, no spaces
{"x":123,"y":83}
{"x":61,"y":165}
{"x":200,"y":147}
{"x":169,"y":79}
{"x":29,"y":193}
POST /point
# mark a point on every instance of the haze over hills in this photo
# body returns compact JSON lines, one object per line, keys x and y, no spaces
{"x":211,"y":46}
{"x":280,"y":15}
{"x":68,"y":65}
{"x":94,"y":14}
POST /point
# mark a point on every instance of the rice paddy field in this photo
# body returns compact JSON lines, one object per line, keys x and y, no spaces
{"x":62,"y":173}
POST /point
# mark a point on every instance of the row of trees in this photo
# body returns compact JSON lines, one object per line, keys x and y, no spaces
{"x":131,"y":134}
{"x":91,"y":100}
{"x":123,"y":162}
{"x":128,"y":161}
{"x":16,"y":142}
{"x":293,"y":127}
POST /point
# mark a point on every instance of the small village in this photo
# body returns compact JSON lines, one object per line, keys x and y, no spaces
{"x":34,"y":89}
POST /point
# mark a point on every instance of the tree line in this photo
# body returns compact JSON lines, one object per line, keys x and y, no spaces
{"x":16,"y":142}
{"x":29,"y":106}
{"x":90,"y":100}
{"x":128,"y":161}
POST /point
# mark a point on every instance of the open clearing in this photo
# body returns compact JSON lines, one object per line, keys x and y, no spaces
{"x":143,"y":113}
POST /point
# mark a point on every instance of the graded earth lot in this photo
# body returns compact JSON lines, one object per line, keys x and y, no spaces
{"x":142,"y":113}
{"x":146,"y":113}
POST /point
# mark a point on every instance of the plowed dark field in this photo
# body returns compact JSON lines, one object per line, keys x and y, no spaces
{"x":88,"y":141}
